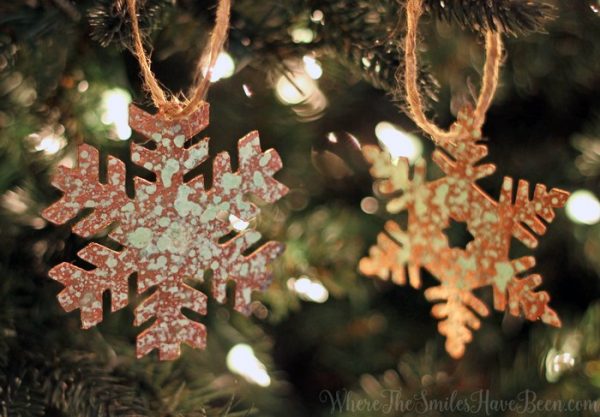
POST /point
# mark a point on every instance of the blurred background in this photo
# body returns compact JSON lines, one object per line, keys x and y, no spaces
{"x":317,"y":79}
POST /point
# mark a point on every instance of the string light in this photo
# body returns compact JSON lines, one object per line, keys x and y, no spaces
{"x":312,"y":67}
{"x":369,"y":205}
{"x":302,"y":35}
{"x":50,"y":144}
{"x":397,"y":142}
{"x":83,"y":86}
{"x":115,"y":111}
{"x":557,"y":363}
{"x":299,"y":89}
{"x":242,"y":360}
{"x":49,"y":140}
{"x":224,"y":67}
{"x":583,"y":207}
{"x":317,"y":16}
{"x":308,"y":290}
{"x":247,"y":90}
{"x":295,"y":90}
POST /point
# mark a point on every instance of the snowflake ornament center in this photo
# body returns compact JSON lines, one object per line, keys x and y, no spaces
{"x":170,"y":231}
{"x":484,"y":261}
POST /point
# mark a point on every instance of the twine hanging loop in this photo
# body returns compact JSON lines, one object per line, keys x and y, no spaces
{"x":167,"y":103}
{"x":491,"y":70}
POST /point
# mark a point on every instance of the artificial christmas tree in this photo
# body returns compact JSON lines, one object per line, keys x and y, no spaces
{"x":318,"y":80}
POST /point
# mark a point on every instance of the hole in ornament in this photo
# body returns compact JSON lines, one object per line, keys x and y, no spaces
{"x":202,"y":283}
{"x":207,"y":276}
{"x":458,"y":234}
{"x":228,"y":236}
{"x":200,"y":277}
{"x":147,"y":143}
{"x":254,"y":247}
{"x":137,"y":171}
{"x":106,"y":305}
{"x":146,"y":325}
{"x":231,"y":284}
{"x":518,"y":249}
{"x":140,"y":298}
{"x":106,"y":240}
{"x":191,"y":314}
{"x":132,"y":290}
{"x":85,"y":265}
{"x":102,"y":165}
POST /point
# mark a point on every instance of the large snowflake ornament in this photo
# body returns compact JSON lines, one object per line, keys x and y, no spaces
{"x":170,"y":231}
{"x":485,"y":260}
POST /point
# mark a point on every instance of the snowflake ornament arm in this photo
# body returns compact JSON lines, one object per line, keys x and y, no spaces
{"x":170,"y":231}
{"x":171,"y":327}
{"x":84,"y":289}
{"x":254,"y":177}
{"x":395,"y":251}
{"x":83,"y":189}
{"x":485,"y":260}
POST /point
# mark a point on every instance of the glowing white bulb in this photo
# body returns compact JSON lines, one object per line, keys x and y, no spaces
{"x":312,"y":67}
{"x":317,"y":16}
{"x":302,"y":35}
{"x":237,"y":223}
{"x":369,"y":205}
{"x":557,"y":363}
{"x":397,"y":142}
{"x":83,"y":86}
{"x":297,"y":89}
{"x":583,"y":207}
{"x":247,"y":90}
{"x":294,"y":90}
{"x":115,"y":111}
{"x":50,"y":144}
{"x":308,"y":289}
{"x":224,"y":67}
{"x":242,"y":360}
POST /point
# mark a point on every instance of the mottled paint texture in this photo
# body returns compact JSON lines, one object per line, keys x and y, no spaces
{"x":169,"y":231}
{"x":485,"y":260}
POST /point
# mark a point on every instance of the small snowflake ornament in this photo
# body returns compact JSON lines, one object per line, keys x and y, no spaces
{"x":170,"y":230}
{"x":485,"y":260}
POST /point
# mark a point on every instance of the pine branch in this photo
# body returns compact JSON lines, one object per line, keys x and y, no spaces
{"x":363,"y":34}
{"x":20,"y":399}
{"x":514,"y":17}
{"x":110,"y":23}
{"x":21,"y":24}
{"x":367,"y":35}
{"x":72,"y":382}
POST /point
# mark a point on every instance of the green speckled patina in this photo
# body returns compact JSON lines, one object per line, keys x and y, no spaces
{"x":485,"y":260}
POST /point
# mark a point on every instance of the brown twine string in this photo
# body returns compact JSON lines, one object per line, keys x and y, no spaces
{"x":217,"y":40}
{"x":168,"y":103}
{"x":491,"y":69}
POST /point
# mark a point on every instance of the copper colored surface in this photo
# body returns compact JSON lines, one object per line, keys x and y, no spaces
{"x":431,"y":205}
{"x":169,"y":231}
